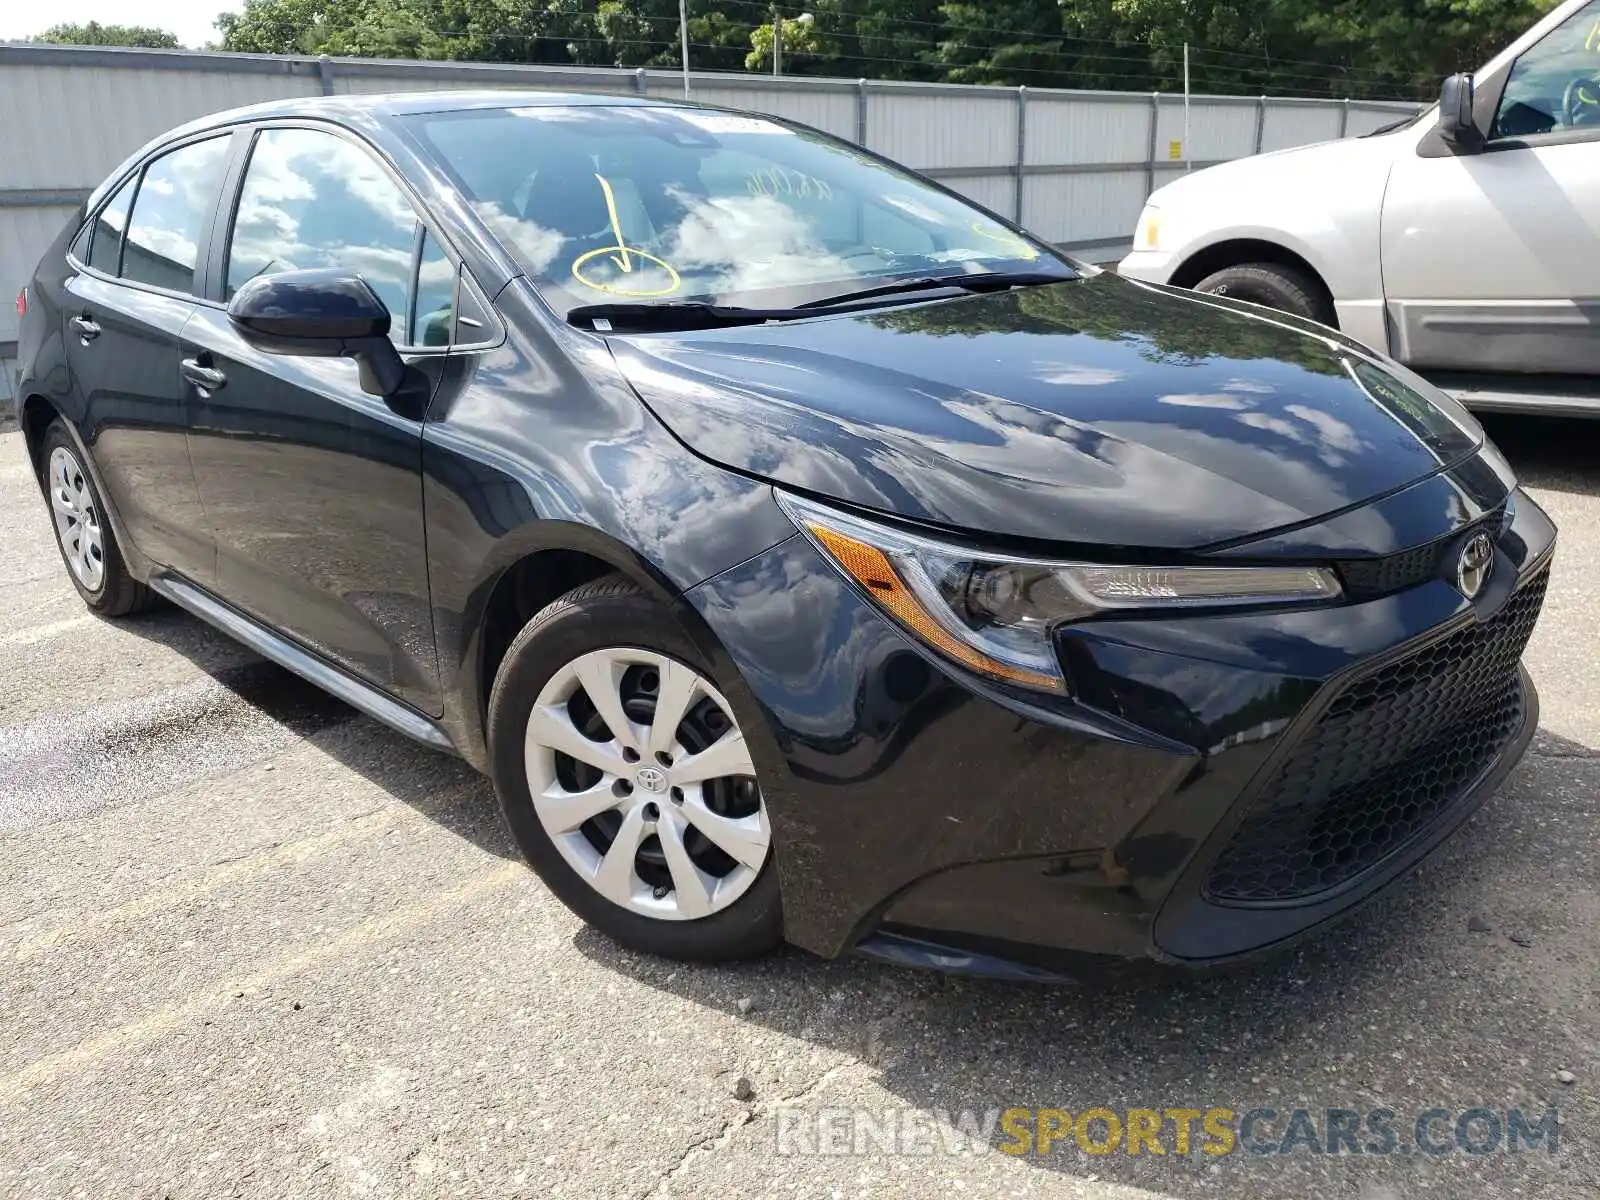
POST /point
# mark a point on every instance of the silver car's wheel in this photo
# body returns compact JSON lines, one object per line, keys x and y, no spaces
{"x":642,"y":780}
{"x":77,"y":519}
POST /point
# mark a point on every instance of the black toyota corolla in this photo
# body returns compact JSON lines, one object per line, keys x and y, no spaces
{"x":803,"y":551}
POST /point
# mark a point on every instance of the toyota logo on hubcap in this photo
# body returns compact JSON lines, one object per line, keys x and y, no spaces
{"x":651,"y":780}
{"x":1473,"y":568}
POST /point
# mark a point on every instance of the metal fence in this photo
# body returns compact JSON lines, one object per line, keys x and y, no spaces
{"x":1072,"y":166}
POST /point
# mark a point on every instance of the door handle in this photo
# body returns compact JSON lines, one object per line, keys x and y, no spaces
{"x":88,"y":329}
{"x":207,"y":379}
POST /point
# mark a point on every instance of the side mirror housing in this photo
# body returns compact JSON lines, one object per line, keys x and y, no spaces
{"x":321,"y":314}
{"x":1457,"y":124}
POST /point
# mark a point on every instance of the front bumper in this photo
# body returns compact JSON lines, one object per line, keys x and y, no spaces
{"x":931,"y":817}
{"x":1150,"y":266}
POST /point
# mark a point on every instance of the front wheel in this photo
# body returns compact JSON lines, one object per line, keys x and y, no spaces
{"x":1272,"y":285}
{"x":627,"y":782}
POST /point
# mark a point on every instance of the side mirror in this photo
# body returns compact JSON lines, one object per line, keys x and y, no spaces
{"x":320,"y":314}
{"x":1457,"y":124}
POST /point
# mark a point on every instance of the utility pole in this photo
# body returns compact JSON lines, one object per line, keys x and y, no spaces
{"x":777,"y":42}
{"x":683,"y":38}
{"x":1188,"y":162}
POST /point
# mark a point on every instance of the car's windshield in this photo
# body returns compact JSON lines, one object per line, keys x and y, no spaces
{"x":652,"y":205}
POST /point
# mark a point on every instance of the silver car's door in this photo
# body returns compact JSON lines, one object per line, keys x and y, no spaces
{"x":1491,"y":260}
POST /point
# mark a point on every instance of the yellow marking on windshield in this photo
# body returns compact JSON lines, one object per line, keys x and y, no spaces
{"x":621,"y":257}
{"x":1006,"y":238}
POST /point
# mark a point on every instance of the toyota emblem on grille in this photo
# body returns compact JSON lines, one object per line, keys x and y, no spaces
{"x":1473,"y":568}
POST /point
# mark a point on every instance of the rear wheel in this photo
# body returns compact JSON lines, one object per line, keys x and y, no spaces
{"x":1273,"y":285}
{"x":627,"y":782}
{"x":83,"y":534}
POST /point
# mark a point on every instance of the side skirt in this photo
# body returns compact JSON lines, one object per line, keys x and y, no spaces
{"x":287,"y":654}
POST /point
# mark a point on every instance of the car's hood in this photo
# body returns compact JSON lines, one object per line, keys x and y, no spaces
{"x":1299,"y":170}
{"x":1095,"y":411}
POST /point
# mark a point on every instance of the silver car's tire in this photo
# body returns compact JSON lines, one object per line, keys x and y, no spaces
{"x":628,"y":782}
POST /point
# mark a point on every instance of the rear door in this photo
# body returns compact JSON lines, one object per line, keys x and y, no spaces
{"x":130,"y":293}
{"x":1489,"y":259}
{"x":313,"y":486}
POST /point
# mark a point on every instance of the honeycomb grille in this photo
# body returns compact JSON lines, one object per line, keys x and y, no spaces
{"x":1368,"y":578}
{"x":1392,"y":752}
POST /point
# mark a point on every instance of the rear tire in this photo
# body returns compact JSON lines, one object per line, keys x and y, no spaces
{"x":697,"y":878}
{"x":84,"y":536}
{"x":1272,"y":285}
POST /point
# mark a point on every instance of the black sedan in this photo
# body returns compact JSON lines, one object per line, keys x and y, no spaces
{"x":803,"y":551}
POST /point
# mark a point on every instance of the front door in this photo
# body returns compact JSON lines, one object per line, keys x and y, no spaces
{"x":1489,"y":259}
{"x":313,"y":486}
{"x":127,"y":307}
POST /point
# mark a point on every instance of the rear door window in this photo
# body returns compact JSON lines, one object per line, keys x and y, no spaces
{"x":105,"y":245}
{"x":170,"y":213}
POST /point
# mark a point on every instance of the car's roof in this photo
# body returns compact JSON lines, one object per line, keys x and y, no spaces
{"x":367,"y":111}
{"x":365,"y":108}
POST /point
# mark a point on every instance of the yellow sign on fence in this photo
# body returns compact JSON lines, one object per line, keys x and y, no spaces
{"x":1175,"y":150}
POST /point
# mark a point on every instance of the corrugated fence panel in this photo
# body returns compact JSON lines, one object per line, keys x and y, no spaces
{"x":1067,"y":129}
{"x":930,"y":129}
{"x":69,"y":126}
{"x":24,"y":234}
{"x":1299,"y":125}
{"x":1082,"y":208}
{"x":70,"y":114}
{"x":833,"y":111}
{"x":1365,"y":119}
{"x":1218,"y":130}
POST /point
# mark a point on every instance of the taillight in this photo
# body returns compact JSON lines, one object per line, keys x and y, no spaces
{"x":22,"y":303}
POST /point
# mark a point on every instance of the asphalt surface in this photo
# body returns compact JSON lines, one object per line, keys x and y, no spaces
{"x":254,"y":944}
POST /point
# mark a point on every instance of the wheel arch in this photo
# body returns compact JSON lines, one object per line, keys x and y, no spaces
{"x":537,"y":565}
{"x":34,"y":416}
{"x":1238,"y":251}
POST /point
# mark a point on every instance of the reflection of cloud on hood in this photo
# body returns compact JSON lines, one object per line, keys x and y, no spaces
{"x":1330,"y":438}
{"x":534,"y":244}
{"x":1334,"y":432}
{"x":752,"y":242}
{"x":1208,"y":400}
{"x":1249,"y":386}
{"x":1065,"y":374}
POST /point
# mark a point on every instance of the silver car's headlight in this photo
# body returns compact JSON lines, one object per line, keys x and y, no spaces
{"x":994,"y":613}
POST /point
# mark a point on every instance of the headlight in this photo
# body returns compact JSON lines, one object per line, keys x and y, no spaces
{"x":1147,"y":234}
{"x":994,"y":614}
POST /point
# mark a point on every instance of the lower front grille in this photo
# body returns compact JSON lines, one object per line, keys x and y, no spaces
{"x":1392,"y":752}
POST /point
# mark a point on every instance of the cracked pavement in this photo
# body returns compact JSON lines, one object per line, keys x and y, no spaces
{"x":256,"y":945}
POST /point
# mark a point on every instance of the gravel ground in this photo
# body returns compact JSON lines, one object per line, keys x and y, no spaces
{"x":254,"y":944}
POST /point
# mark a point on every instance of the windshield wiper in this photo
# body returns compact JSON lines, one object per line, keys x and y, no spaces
{"x":673,"y":314}
{"x":989,"y":281}
{"x":697,"y":314}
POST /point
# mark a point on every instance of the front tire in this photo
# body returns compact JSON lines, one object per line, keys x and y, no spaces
{"x":1272,"y":285}
{"x":626,"y":781}
{"x":83,"y":533}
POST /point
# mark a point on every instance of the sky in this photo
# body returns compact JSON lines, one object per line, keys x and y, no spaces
{"x":192,"y":20}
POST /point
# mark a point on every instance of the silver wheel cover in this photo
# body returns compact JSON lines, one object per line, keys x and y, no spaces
{"x":77,"y":520}
{"x":664,"y":829}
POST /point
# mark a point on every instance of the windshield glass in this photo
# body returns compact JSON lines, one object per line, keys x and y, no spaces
{"x":643,"y":205}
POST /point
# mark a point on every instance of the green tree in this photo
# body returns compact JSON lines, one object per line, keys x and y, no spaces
{"x":96,"y":34}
